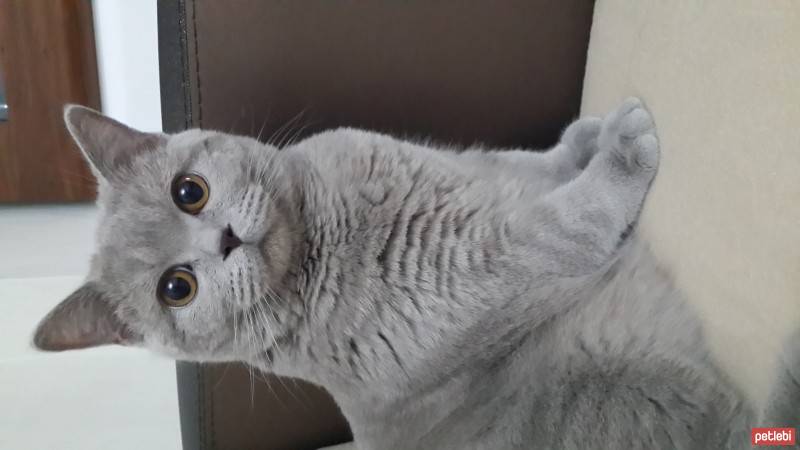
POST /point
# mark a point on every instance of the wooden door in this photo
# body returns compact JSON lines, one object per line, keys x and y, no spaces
{"x":47,"y":59}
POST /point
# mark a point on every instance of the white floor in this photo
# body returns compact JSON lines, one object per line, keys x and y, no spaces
{"x":106,"y":398}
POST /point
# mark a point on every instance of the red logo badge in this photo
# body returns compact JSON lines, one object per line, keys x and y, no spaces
{"x":773,"y":436}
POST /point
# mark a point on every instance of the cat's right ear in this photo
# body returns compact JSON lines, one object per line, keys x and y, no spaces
{"x":107,"y":145}
{"x":84,"y":319}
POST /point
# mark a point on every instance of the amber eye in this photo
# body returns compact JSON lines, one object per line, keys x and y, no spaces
{"x":177,"y":287}
{"x":190,"y":192}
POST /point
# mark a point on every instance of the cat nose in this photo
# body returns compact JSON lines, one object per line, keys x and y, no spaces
{"x":229,"y":242}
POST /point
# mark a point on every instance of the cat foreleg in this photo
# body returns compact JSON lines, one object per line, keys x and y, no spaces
{"x":578,"y":227}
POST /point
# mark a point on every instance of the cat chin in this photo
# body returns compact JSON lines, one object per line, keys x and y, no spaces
{"x":177,"y":354}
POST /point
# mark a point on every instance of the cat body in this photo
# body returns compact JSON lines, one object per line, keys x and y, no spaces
{"x":448,"y":300}
{"x":616,"y":360}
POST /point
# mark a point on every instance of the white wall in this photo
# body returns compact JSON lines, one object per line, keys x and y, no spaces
{"x":126,"y":36}
{"x":720,"y":77}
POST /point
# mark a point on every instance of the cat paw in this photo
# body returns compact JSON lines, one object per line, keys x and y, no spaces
{"x":630,"y":134}
{"x":581,"y":138}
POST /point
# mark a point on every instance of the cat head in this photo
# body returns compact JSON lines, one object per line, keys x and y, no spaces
{"x":191,"y":239}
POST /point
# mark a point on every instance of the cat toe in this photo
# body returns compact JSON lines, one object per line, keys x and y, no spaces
{"x":581,"y":138}
{"x":646,"y":152}
{"x":629,"y":132}
{"x":583,"y":132}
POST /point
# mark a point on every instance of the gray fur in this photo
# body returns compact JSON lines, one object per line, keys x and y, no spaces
{"x":449,"y":300}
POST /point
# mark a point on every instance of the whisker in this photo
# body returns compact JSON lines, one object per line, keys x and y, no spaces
{"x":268,"y":381}
{"x":234,"y":308}
{"x":281,"y":132}
{"x":289,"y":135}
{"x":250,"y":367}
{"x":72,"y":176}
{"x":306,"y":402}
{"x":267,"y":326}
{"x":258,"y":318}
{"x":235,"y":331}
{"x":224,"y":372}
{"x":272,"y":139}
{"x":263,"y":125}
{"x":265,"y":318}
{"x":297,"y":134}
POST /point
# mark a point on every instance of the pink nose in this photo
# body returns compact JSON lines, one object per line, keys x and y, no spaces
{"x":229,"y":242}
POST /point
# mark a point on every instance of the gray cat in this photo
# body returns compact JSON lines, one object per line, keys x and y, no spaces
{"x":448,"y":300}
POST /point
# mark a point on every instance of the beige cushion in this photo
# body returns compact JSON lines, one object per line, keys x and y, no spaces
{"x":722,"y":78}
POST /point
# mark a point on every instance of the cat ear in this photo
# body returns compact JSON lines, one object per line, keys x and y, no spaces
{"x":84,"y":319}
{"x":106,"y":144}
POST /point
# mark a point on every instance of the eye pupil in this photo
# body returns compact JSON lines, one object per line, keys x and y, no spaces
{"x":177,"y":288}
{"x":190,"y":192}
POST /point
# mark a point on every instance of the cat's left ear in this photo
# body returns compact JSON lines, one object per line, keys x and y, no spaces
{"x":107,"y":144}
{"x":84,"y":319}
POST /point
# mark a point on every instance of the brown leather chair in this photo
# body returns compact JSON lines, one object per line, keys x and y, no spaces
{"x":502,"y":73}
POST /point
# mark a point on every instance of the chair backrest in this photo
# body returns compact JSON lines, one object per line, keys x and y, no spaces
{"x":504,"y":74}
